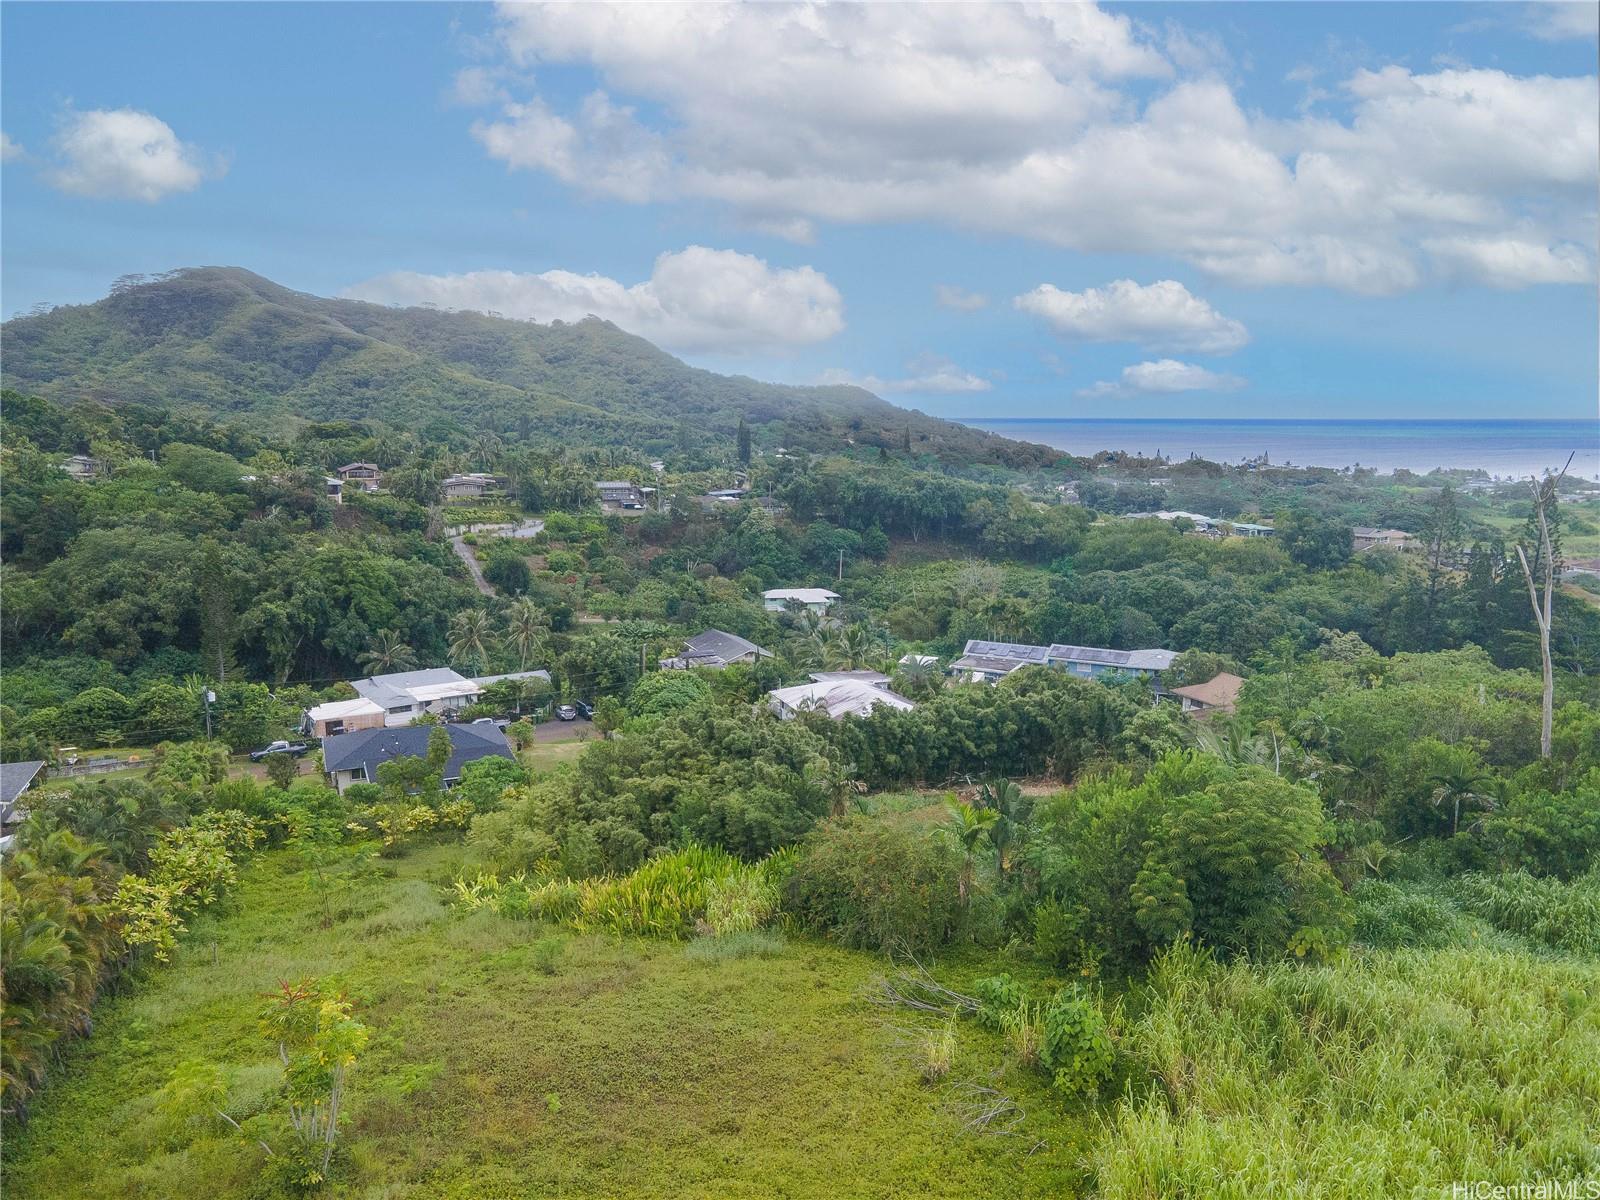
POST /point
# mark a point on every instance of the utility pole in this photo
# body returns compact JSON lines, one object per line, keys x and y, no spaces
{"x":841,"y":566}
{"x":210,"y":697}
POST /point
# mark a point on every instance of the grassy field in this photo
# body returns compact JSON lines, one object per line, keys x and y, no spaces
{"x":542,"y":756}
{"x":635,"y":1069}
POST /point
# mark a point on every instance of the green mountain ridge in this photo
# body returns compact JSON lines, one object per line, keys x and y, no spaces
{"x":232,"y":343}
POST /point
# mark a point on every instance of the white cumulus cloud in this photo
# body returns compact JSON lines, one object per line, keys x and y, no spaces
{"x":9,"y":149}
{"x":1164,"y":315}
{"x":696,"y":300}
{"x":124,"y":154}
{"x":1510,"y":262}
{"x":1018,"y":120}
{"x":927,"y":375}
{"x":959,"y":299}
{"x":1164,"y":376}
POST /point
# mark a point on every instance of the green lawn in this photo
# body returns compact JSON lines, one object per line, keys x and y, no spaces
{"x":636,"y":1070}
{"x":542,"y":756}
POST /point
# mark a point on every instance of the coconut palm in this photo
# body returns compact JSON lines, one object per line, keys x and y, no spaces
{"x":471,"y":633}
{"x":527,"y":627}
{"x":486,"y":447}
{"x":851,"y":649}
{"x":388,"y":652}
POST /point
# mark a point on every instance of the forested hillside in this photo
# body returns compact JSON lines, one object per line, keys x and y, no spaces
{"x":229,"y":342}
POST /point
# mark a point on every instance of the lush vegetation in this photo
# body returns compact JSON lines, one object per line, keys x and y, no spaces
{"x":1047,"y":937}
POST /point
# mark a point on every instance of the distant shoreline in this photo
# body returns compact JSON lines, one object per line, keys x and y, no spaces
{"x":1501,"y":447}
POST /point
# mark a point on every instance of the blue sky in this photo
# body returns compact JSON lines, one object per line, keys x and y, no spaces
{"x":1297,"y":210}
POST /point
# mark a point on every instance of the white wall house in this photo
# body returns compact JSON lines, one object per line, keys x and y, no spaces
{"x":817,"y":600}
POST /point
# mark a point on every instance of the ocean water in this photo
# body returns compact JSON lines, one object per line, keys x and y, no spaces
{"x":1514,"y":449}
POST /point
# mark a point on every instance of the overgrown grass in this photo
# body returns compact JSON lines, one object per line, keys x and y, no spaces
{"x":766,"y":1076}
{"x":1389,"y":1074}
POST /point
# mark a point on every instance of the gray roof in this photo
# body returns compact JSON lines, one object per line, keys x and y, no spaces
{"x":1133,"y":660}
{"x":1015,"y":651}
{"x":714,"y":646}
{"x":15,"y":778}
{"x":989,"y":664}
{"x":370,"y":748}
{"x":393,"y":690}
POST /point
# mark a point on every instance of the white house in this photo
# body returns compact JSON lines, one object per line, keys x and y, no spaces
{"x":406,"y":695}
{"x":456,"y":487}
{"x":838,"y":697}
{"x":817,"y":600}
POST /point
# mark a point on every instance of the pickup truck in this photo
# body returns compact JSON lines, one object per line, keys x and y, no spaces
{"x":292,"y":748}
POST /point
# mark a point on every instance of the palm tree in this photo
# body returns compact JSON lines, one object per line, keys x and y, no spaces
{"x":969,"y":827}
{"x":471,"y":632}
{"x":1006,"y":800}
{"x":387,"y":653}
{"x":851,"y":649}
{"x":486,"y":448}
{"x":1462,"y":780}
{"x":917,"y":678}
{"x":527,"y":626}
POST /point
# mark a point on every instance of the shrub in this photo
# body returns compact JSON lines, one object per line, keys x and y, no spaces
{"x":729,"y":947}
{"x":1075,"y":1044}
{"x":877,"y":883}
{"x":547,"y":955}
{"x":998,"y":999}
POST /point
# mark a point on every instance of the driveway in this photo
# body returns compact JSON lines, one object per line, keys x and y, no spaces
{"x":464,"y":553}
{"x":564,"y":731}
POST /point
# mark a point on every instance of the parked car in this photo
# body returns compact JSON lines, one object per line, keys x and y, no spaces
{"x":295,"y":749}
{"x":585,"y":709}
{"x":497,"y":722}
{"x":566,"y":712}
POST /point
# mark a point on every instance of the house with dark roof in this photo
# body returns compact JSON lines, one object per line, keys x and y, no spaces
{"x":15,"y":779}
{"x":715,"y":649}
{"x":355,"y":757}
{"x":989,"y":662}
{"x":620,"y":492}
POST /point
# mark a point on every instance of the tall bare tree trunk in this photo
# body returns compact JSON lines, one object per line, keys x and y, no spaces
{"x":1544,"y":495}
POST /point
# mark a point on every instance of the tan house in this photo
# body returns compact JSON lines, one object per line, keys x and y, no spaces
{"x":1219,"y":694}
{"x":1365,"y":537}
{"x":344,"y":716}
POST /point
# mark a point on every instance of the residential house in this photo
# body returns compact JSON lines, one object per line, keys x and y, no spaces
{"x":875,"y":678}
{"x":407,"y":695}
{"x":1249,"y":529}
{"x":1220,"y":694}
{"x":15,"y":779}
{"x":355,"y":757}
{"x":1201,"y":522}
{"x":468,"y":487}
{"x":838,"y":697}
{"x":81,"y":467}
{"x":988,"y":662}
{"x":1093,"y":662}
{"x":817,"y":600}
{"x":1365,"y":538}
{"x":620,"y":493}
{"x":344,"y":716}
{"x":715,"y":649}
{"x":363,"y":475}
{"x":334,"y":486}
